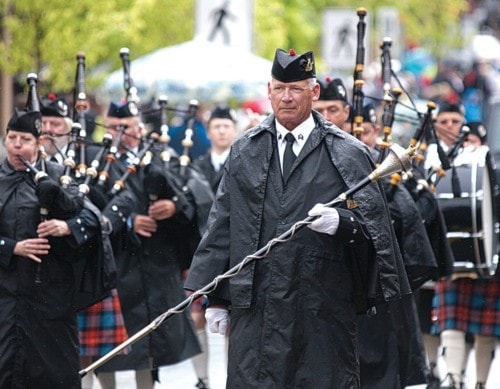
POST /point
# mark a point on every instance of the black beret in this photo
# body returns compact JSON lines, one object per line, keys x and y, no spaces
{"x":26,"y":121}
{"x":446,"y":106}
{"x":478,"y":129}
{"x":332,"y":90}
{"x":288,"y":66}
{"x":223,"y":113}
{"x":123,"y":110}
{"x":54,"y":106}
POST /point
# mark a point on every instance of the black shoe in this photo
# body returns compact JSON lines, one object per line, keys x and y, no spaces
{"x":452,"y":383}
{"x":480,"y":385}
{"x":433,"y":382}
{"x":201,"y":384}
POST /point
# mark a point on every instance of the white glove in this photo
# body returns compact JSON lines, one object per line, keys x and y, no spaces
{"x":328,"y":220}
{"x":217,"y":319}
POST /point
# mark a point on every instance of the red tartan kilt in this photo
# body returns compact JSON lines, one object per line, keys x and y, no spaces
{"x":468,"y":305}
{"x":101,"y":327}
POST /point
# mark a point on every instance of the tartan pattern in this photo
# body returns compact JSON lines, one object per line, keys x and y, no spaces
{"x":101,"y":327}
{"x":468,"y":305}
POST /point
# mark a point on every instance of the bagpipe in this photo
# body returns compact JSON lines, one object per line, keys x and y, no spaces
{"x":54,"y":200}
{"x":358,"y":95}
{"x":52,"y":196}
{"x":470,"y":192}
{"x":93,"y":179}
{"x":466,"y":194}
{"x":80,"y":109}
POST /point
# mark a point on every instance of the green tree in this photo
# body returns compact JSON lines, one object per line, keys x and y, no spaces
{"x":47,"y":35}
{"x":44,"y":37}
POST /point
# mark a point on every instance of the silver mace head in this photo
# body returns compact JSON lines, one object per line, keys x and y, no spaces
{"x":398,"y":160}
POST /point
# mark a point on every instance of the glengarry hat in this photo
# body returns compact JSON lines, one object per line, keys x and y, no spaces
{"x":332,"y":89}
{"x":446,"y":106}
{"x":223,"y":113}
{"x":288,"y":66}
{"x":122,"y":110}
{"x":478,"y":129}
{"x":54,"y":106}
{"x":26,"y":121}
{"x":369,"y":114}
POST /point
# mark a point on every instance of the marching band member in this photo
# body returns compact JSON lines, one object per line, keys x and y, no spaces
{"x":56,"y":127}
{"x":333,"y":103}
{"x":39,"y":262}
{"x":465,"y":305}
{"x":100,"y":326}
{"x":147,"y":248}
{"x":291,"y":315}
{"x":394,"y":330}
{"x":222,"y":131}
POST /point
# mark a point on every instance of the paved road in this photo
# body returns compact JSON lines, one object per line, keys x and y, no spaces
{"x":181,"y":376}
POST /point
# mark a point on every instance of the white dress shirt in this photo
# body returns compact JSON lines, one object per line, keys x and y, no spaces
{"x":300,"y":133}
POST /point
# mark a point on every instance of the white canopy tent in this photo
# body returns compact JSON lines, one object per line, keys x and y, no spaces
{"x":197,"y":69}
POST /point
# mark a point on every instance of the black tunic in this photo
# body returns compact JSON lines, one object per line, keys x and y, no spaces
{"x":149,"y":278}
{"x":293,"y":312}
{"x":39,"y":347}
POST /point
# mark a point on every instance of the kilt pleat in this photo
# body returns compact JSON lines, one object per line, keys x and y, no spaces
{"x":101,"y":327}
{"x":468,"y":305}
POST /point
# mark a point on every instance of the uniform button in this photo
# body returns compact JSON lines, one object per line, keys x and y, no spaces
{"x":82,"y":229}
{"x":352,"y":219}
{"x":351,"y":241}
{"x":114,"y":208}
{"x":2,"y":242}
{"x":355,"y":231}
{"x":85,"y":237}
{"x":79,"y":221}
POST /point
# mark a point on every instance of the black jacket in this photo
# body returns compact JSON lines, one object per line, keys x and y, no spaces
{"x":293,"y":311}
{"x":38,"y":326}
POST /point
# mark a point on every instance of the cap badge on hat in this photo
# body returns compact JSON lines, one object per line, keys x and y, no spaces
{"x":123,"y":109}
{"x":133,"y":108}
{"x":373,"y":116}
{"x":38,"y":126}
{"x":341,"y":91}
{"x":481,"y":130}
{"x":309,"y":65}
{"x":62,"y":108}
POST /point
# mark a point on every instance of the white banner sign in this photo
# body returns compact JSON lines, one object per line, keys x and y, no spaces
{"x":340,"y":38}
{"x":226,"y":21}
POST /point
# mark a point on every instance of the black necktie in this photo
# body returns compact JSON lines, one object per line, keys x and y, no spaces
{"x":124,"y":159}
{"x":289,"y":156}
